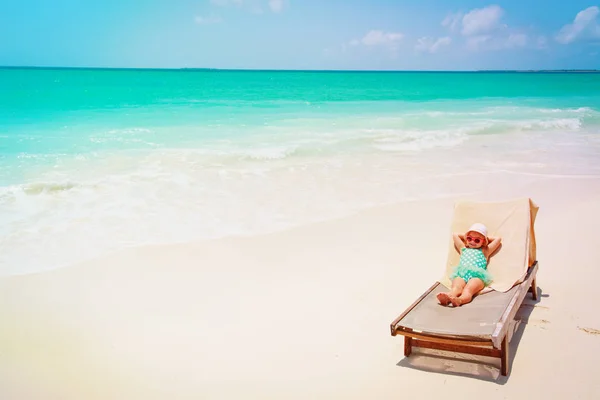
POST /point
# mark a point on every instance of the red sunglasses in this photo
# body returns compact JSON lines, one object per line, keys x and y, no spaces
{"x":472,"y":239}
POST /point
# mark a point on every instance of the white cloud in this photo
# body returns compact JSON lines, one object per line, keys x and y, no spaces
{"x":431,"y":45}
{"x":584,"y":25}
{"x":377,"y":38}
{"x":276,"y":5}
{"x":481,"y":20}
{"x":452,"y":21}
{"x":211,"y":19}
{"x":483,"y":30}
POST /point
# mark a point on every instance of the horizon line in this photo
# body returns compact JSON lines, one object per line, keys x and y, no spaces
{"x":293,"y":70}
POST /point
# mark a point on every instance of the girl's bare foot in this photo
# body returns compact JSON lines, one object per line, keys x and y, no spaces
{"x":445,"y":298}
{"x":456,"y":301}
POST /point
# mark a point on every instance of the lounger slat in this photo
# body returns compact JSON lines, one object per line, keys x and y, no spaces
{"x":446,"y":340}
{"x":480,"y":351}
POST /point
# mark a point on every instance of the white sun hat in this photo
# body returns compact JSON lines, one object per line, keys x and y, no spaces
{"x":479,"y":228}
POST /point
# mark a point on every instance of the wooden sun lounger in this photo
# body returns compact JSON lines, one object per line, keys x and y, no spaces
{"x":480,"y":327}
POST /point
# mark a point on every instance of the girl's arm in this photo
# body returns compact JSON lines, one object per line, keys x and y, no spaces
{"x":459,"y":241}
{"x":493,"y":245}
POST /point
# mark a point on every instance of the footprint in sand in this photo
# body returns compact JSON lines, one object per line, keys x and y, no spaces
{"x":591,"y":331}
{"x":539,"y":323}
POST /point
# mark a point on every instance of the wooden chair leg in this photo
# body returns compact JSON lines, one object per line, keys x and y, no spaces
{"x":534,"y":292}
{"x":504,"y":357}
{"x":407,"y":346}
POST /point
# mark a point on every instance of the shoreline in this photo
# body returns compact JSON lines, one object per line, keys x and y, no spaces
{"x":507,"y":189}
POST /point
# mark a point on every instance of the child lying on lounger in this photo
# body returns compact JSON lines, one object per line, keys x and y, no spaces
{"x":470,"y":276}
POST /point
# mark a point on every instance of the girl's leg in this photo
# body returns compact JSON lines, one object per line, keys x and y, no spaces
{"x":474,"y":286}
{"x":458,"y":284}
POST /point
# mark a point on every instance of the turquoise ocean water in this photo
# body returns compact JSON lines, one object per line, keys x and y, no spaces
{"x":92,"y":161}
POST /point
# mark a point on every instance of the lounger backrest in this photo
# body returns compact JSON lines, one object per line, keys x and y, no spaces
{"x":514,"y":222}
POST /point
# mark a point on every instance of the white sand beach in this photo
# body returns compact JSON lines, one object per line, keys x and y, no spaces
{"x":301,"y":314}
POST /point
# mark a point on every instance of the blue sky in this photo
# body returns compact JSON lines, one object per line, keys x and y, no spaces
{"x":302,"y":34}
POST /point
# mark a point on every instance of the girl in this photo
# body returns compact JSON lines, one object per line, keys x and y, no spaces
{"x":470,"y":276}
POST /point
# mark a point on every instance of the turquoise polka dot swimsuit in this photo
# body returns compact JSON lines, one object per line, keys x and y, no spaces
{"x":473,"y":264}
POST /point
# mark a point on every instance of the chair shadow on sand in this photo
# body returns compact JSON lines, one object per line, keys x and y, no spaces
{"x":473,"y":366}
